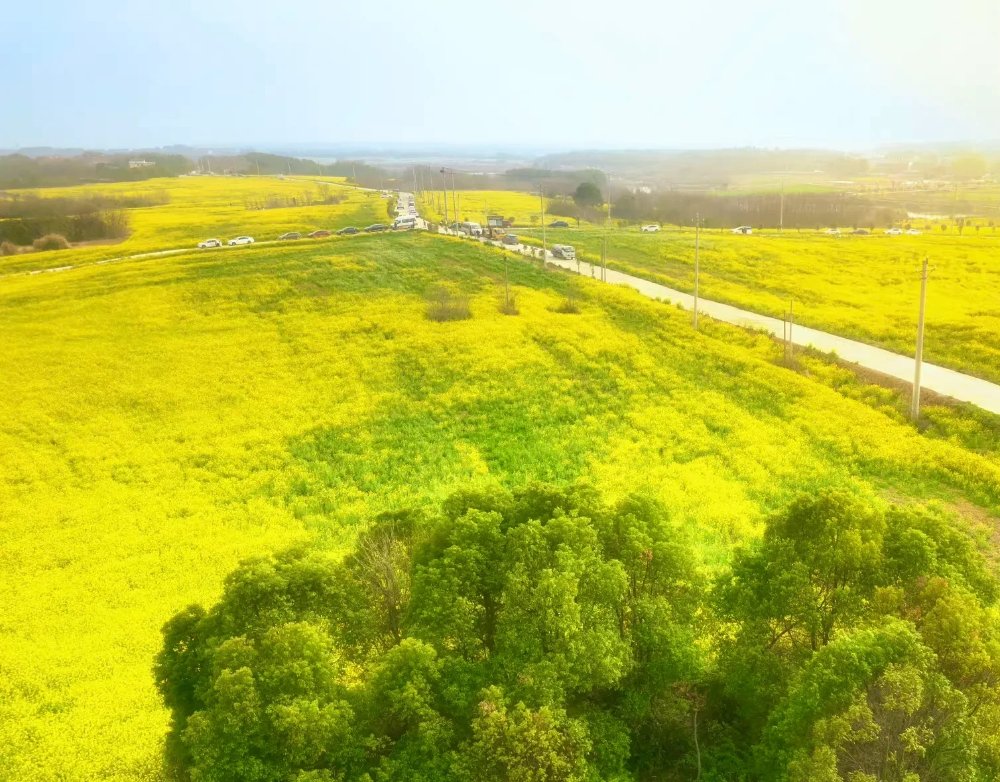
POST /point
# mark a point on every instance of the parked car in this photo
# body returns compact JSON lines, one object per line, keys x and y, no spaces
{"x":564,"y":251}
{"x":349,"y":231}
{"x":650,"y":229}
{"x":320,"y":234}
{"x":558,"y":224}
{"x":375,"y":228}
{"x":241,"y":240}
{"x":832,"y":232}
{"x":894,"y":232}
{"x":744,"y":230}
{"x":289,"y":235}
{"x":209,"y":243}
{"x":404,"y":223}
{"x":859,"y":232}
{"x":913,"y":232}
{"x":510,"y":239}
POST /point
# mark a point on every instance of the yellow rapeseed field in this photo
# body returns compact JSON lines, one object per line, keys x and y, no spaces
{"x":475,"y":205}
{"x":203,"y":207}
{"x":161,"y":419}
{"x":865,"y":287}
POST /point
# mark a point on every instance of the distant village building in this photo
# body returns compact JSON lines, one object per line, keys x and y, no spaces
{"x":140,"y":163}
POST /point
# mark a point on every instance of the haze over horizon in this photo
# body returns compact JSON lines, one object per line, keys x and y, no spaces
{"x":634,"y":74}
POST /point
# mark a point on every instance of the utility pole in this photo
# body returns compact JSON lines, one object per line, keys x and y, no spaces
{"x":784,"y":333}
{"x":506,"y":284}
{"x":604,"y":244}
{"x":444,"y":191}
{"x":915,"y":403}
{"x":454,"y":196}
{"x":609,"y":198}
{"x":541,"y":198}
{"x":697,"y":242}
{"x":604,"y":258}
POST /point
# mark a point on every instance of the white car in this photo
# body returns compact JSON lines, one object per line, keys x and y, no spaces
{"x":913,"y":232}
{"x":241,"y":240}
{"x":564,"y":251}
{"x":650,"y":229}
{"x":209,"y":243}
{"x":745,"y":230}
{"x":832,"y":232}
{"x":894,"y":232}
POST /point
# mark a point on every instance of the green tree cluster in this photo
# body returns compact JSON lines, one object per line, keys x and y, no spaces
{"x":544,"y":636}
{"x":588,"y":194}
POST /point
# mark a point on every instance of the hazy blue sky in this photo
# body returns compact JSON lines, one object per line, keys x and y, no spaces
{"x":565,"y":74}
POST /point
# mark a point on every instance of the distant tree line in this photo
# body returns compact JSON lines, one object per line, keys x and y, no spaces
{"x":800,"y":210}
{"x":21,"y":171}
{"x":26,"y":217}
{"x":544,"y":636}
{"x":707,"y":168}
{"x":526,"y":180}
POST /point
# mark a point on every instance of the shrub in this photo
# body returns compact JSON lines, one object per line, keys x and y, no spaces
{"x":568,"y":306}
{"x":9,"y":248}
{"x":508,"y":305}
{"x":51,"y":242}
{"x":445,"y":305}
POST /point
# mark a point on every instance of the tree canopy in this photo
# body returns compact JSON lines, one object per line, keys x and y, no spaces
{"x":543,"y":635}
{"x":587,"y":194}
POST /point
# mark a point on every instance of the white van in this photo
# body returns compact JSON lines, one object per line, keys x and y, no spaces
{"x":403,"y":223}
{"x":564,"y":251}
{"x":472,"y":229}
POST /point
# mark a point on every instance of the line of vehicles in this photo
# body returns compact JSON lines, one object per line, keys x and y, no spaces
{"x":866,"y":232}
{"x":320,"y":234}
{"x":406,"y":218}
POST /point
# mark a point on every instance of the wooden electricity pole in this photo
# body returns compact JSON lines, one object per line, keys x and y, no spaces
{"x":697,"y":242}
{"x":915,"y":402}
{"x":444,"y":192}
{"x":506,"y":285}
{"x":787,"y":320}
{"x":604,"y":258}
{"x":541,"y":198}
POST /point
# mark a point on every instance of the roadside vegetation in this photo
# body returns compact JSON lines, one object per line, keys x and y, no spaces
{"x":26,"y":217}
{"x":163,"y":421}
